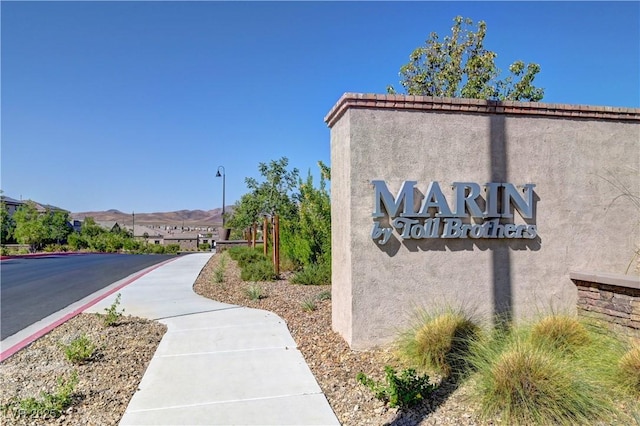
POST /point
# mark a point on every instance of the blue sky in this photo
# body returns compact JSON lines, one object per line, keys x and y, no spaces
{"x":134,"y":105}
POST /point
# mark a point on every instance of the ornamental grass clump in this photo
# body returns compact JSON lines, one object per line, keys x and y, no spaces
{"x":522,"y":382}
{"x":562,"y":332}
{"x":629,"y":366}
{"x":254,"y":292}
{"x":439,"y":342}
{"x":558,"y":370}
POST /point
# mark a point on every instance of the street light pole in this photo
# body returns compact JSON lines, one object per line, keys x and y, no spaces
{"x":223,"y":187}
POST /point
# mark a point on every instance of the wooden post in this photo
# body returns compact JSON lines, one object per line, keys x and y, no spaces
{"x":254,"y":230}
{"x":276,"y":244}
{"x":265,"y":234}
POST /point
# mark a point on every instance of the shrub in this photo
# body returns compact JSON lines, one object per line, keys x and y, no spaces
{"x":48,"y":406}
{"x":630,"y":369}
{"x":172,"y":248}
{"x":439,"y":342}
{"x":157,"y":248}
{"x":314,"y":274}
{"x":401,"y":391}
{"x":54,"y":248}
{"x":234,"y":252}
{"x":204,"y":247}
{"x":79,"y":350}
{"x":112,"y":315}
{"x":131,"y":245}
{"x":249,"y":256}
{"x":259,"y":271}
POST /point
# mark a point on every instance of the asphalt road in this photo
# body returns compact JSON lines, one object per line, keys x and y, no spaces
{"x":33,"y":288}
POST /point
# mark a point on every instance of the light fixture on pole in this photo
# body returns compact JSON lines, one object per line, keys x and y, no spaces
{"x":223,"y":185}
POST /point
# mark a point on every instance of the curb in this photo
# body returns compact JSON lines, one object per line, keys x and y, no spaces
{"x":35,"y":336}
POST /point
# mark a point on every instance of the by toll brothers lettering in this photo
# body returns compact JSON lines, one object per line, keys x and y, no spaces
{"x":436,"y":219}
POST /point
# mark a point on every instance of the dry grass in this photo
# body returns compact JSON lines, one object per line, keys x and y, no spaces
{"x":439,"y":342}
{"x":630,"y":368}
{"x":563,"y":332}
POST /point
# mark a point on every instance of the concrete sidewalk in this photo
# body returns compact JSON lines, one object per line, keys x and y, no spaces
{"x":218,"y":364}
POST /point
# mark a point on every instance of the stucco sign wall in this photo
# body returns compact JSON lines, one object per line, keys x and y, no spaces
{"x":476,"y":204}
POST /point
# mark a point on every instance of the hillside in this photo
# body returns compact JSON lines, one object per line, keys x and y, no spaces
{"x":178,"y":218}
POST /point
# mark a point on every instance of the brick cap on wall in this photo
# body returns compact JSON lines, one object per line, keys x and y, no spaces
{"x":629,"y":281}
{"x":477,"y":106}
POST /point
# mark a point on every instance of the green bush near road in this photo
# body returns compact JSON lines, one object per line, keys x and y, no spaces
{"x":48,"y":406}
{"x":79,"y":350}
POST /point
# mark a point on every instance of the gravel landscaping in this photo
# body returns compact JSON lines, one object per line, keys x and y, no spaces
{"x":332,"y":362}
{"x":108,"y":380}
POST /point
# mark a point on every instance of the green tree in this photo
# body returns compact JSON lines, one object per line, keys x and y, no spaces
{"x":246,"y":212}
{"x":57,"y":224}
{"x":7,"y":224}
{"x":306,"y":240}
{"x":30,"y":226}
{"x":273,"y":195}
{"x":90,"y":229}
{"x":460,"y":66}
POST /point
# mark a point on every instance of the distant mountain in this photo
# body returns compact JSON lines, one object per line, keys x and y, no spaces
{"x":178,"y":218}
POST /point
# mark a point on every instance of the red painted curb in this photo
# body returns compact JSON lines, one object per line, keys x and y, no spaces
{"x":35,"y":336}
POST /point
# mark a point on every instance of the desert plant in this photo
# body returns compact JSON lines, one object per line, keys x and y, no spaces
{"x":50,"y":405}
{"x":112,"y":315}
{"x":324,"y":295}
{"x":224,"y":259}
{"x":629,"y":366}
{"x":258,"y":271}
{"x":218,"y":276}
{"x":309,"y":305}
{"x":172,"y":248}
{"x":313,"y":274}
{"x":563,"y":332}
{"x":246,"y":255}
{"x":439,"y":342}
{"x":79,"y":350}
{"x":401,"y":391}
{"x":254,"y":292}
{"x":524,"y":382}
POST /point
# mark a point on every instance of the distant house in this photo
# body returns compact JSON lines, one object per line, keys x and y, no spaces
{"x":11,"y":204}
{"x":111,"y":226}
{"x":187,"y":242}
{"x":149,"y":235}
